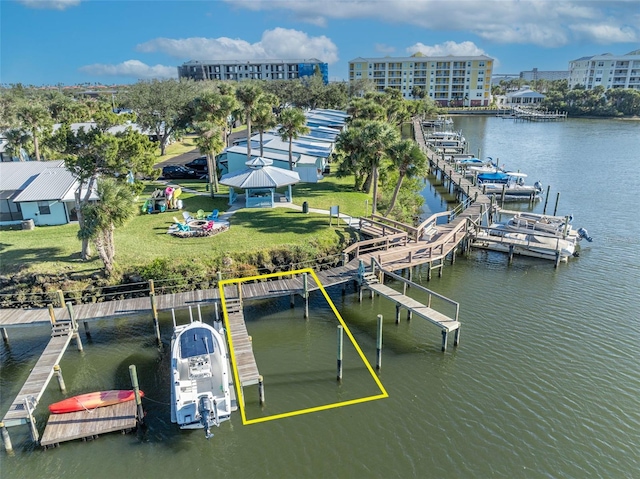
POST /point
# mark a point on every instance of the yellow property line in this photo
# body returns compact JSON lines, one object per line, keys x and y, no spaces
{"x":236,"y":375}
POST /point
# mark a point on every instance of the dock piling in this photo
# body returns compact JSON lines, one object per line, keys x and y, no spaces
{"x":6,"y":439}
{"x":261,"y":389}
{"x":445,"y":335}
{"x":5,"y":336}
{"x":58,"y":372}
{"x":156,"y":323}
{"x":190,"y":314}
{"x":60,"y":298}
{"x":379,"y":343}
{"x":398,"y":313}
{"x":340,"y":346}
{"x":133,"y":374}
{"x":456,"y":337}
{"x":555,"y":209}
{"x":305,"y":293}
{"x":199,"y":312}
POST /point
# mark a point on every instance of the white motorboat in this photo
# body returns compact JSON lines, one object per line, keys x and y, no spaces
{"x":200,"y":391}
{"x":510,"y":183}
{"x":499,"y":237}
{"x":559,"y":226}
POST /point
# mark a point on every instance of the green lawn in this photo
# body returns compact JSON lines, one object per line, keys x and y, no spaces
{"x":55,"y":249}
{"x":177,"y":148}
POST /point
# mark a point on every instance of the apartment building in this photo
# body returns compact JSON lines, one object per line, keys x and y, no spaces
{"x":535,"y":74}
{"x":607,"y":70}
{"x":448,"y":80}
{"x":238,"y":70}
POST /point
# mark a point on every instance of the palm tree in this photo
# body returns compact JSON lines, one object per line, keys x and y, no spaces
{"x":211,"y":143}
{"x":292,"y":125}
{"x":115,"y":207}
{"x":210,"y":119}
{"x":248,"y":94}
{"x":16,"y":140}
{"x":378,"y":137}
{"x":34,"y":117}
{"x":263,"y":118}
{"x":410,"y":162}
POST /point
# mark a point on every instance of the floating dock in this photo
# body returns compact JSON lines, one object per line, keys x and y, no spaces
{"x":89,"y":424}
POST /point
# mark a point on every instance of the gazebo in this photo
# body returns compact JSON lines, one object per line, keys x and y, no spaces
{"x":259,"y":182}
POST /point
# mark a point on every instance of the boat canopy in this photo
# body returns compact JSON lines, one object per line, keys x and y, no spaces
{"x":196,"y":342}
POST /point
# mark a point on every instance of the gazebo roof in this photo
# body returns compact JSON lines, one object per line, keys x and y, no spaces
{"x":260,"y":174}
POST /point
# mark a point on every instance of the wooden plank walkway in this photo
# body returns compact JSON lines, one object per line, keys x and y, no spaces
{"x":37,"y":381}
{"x":243,"y":356}
{"x":89,"y":423}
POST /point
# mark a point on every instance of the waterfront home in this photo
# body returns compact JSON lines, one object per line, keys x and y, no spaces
{"x":41,"y":191}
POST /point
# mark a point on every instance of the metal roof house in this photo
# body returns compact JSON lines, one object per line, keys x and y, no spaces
{"x":43,"y":191}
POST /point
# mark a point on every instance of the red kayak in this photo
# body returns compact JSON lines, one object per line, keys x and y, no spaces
{"x":93,"y":400}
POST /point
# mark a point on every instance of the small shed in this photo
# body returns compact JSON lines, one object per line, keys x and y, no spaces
{"x":259,"y":182}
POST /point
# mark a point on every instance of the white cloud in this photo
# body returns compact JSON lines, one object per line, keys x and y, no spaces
{"x":131,"y":68}
{"x":548,"y":23}
{"x":382,"y":48}
{"x":276,"y":43}
{"x":606,"y":33}
{"x":50,"y":4}
{"x":447,"y":48}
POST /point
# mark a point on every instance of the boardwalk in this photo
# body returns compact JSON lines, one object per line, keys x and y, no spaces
{"x":20,"y":412}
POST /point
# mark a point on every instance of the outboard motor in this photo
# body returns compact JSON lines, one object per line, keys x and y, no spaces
{"x":538,"y":185}
{"x":583,"y":233}
{"x":204,"y":408}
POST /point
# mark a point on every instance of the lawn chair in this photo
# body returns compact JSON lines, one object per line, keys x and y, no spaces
{"x":183,"y":227}
{"x":200,"y":214}
{"x":213,"y":216}
{"x":187,"y":216}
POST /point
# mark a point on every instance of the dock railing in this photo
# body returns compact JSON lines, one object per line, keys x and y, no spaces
{"x":379,"y":271}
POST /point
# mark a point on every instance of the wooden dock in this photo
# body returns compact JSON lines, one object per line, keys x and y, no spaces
{"x":21,"y":409}
{"x":89,"y":424}
{"x":242,"y":356}
{"x":447,"y":324}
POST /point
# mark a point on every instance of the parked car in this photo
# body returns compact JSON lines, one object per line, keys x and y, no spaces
{"x":179,"y":171}
{"x":199,"y":164}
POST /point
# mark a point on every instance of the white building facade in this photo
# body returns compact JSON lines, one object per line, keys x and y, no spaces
{"x":448,"y":80}
{"x":607,"y":70}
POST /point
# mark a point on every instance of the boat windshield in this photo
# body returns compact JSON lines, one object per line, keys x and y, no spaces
{"x":196,"y":342}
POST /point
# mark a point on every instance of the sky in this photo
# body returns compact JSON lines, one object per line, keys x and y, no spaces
{"x":51,"y":42}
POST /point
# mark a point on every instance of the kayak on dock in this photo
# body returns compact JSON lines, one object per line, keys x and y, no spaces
{"x":93,"y":400}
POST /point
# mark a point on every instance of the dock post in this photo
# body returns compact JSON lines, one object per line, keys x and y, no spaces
{"x":429,"y":271}
{"x":87,"y":332}
{"x":32,"y":420}
{"x":156,"y":324}
{"x":292,"y":301}
{"x":456,"y":337}
{"x":133,"y":374}
{"x":379,"y":343}
{"x":219,"y":276}
{"x":6,"y":439}
{"x":445,"y":334}
{"x":74,"y":326}
{"x":555,"y":209}
{"x":199,"y":312}
{"x":340,"y":345}
{"x":360,"y":293}
{"x":154,"y":310}
{"x":398,"y":313}
{"x":52,"y":314}
{"x":453,"y":255}
{"x":217,"y":313}
{"x":72,"y":316}
{"x":557,"y":262}
{"x":58,"y":373}
{"x":5,"y":336}
{"x":190,"y":315}
{"x":60,"y":298}
{"x":261,"y":389}
{"x":510,"y":253}
{"x":305,"y":293}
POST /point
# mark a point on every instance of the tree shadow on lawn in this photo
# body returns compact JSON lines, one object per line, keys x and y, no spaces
{"x":269,"y":221}
{"x":18,"y":259}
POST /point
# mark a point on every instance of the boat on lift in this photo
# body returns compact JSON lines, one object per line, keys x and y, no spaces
{"x":510,"y":183}
{"x":200,"y":382}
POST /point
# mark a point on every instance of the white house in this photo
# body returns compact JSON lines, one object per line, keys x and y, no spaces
{"x":43,"y":191}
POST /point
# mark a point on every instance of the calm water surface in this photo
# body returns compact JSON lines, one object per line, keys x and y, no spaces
{"x":545,"y":383}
